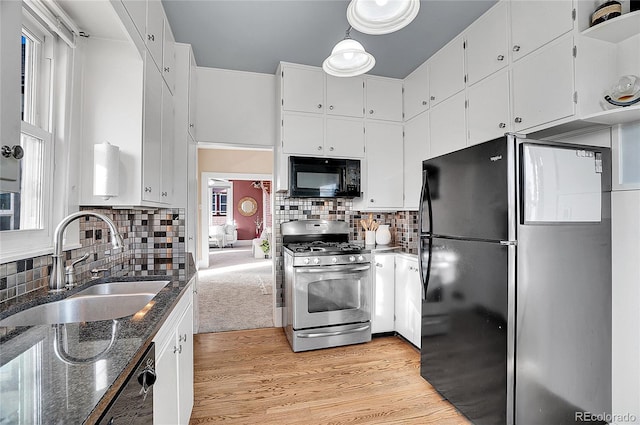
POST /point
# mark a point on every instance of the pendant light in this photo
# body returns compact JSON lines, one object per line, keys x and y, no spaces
{"x":381,"y":16}
{"x":348,"y":59}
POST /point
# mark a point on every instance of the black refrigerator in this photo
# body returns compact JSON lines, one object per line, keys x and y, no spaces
{"x":515,"y":259}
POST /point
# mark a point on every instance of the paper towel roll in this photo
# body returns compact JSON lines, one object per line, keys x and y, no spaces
{"x":106,"y":162}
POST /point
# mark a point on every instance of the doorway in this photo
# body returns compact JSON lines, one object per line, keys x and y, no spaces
{"x":235,"y":278}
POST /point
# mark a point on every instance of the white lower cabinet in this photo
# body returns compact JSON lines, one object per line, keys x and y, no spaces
{"x":173,"y":390}
{"x":397,"y":296}
{"x":408,"y":299}
{"x":382,"y":317}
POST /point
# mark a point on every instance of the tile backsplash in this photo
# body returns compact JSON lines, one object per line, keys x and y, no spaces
{"x":154,"y":245}
{"x":402,"y":224}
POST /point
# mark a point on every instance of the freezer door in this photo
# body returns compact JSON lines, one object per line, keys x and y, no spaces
{"x":471,"y":192}
{"x":464,"y":352}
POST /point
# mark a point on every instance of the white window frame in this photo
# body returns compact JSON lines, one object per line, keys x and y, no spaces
{"x":24,"y":243}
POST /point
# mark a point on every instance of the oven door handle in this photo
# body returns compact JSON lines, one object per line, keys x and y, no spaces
{"x":324,"y":269}
{"x":335,"y":333}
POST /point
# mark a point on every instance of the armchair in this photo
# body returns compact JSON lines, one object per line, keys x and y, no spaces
{"x":222,"y":235}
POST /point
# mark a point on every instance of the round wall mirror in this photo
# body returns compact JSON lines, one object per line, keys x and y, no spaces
{"x":247,"y":206}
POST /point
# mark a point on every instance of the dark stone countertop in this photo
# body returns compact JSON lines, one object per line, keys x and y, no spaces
{"x":39,"y":386}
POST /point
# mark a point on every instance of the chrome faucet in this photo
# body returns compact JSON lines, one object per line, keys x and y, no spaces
{"x":56,"y":280}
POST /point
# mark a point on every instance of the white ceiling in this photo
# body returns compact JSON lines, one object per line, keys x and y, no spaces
{"x":254,"y":35}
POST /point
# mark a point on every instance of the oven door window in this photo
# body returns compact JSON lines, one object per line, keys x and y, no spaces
{"x":331,"y":295}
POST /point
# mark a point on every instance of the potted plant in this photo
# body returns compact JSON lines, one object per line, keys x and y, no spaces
{"x":264,"y":245}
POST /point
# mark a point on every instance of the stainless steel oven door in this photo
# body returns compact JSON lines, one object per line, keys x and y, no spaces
{"x":331,"y":295}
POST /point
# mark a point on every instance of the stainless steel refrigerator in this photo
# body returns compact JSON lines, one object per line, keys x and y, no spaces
{"x":515,"y":257}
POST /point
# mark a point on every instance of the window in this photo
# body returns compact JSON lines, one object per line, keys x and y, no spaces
{"x":219,"y":202}
{"x":25,"y":210}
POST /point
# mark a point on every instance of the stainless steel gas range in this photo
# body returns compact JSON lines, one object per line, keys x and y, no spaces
{"x":327,"y":286}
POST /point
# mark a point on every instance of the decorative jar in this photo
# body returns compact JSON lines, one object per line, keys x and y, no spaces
{"x":383,"y":235}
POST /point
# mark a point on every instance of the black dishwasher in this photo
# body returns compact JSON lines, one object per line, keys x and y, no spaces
{"x":133,"y":405}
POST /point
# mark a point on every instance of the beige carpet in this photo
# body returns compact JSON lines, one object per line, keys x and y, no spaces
{"x":235,"y":292}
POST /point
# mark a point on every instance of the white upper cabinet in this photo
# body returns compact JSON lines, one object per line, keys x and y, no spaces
{"x":302,"y":89}
{"x":416,"y":150}
{"x":167,"y":130}
{"x":416,"y":92}
{"x":384,"y":98}
{"x":446,"y":71}
{"x":137,"y":10}
{"x":384,"y":165}
{"x":488,"y":109}
{"x":152,"y":133}
{"x":487,"y":44}
{"x":543,"y":85}
{"x":169,"y":57}
{"x":535,"y":23}
{"x":344,"y":137}
{"x":303,"y":134}
{"x":155,"y":28}
{"x":447,"y":131}
{"x":345,"y":96}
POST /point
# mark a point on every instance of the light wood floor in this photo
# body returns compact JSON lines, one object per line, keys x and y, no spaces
{"x":253,"y":377}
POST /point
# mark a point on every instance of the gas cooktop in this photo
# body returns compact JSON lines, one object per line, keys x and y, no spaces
{"x":325,"y":248}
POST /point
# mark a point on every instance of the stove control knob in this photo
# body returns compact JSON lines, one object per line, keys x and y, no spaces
{"x":316,"y":261}
{"x":352,"y":258}
{"x":334,"y":260}
{"x":360,"y":258}
{"x":306,"y":261}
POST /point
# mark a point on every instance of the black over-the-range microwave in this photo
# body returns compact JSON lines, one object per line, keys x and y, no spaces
{"x":323,"y":177}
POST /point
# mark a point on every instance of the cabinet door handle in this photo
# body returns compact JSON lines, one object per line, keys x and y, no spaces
{"x":331,"y":148}
{"x":424,"y":102}
{"x":166,"y":69}
{"x":516,"y":48}
{"x":190,"y":125}
{"x":331,"y":107}
{"x":518,"y":120}
{"x":151,"y":37}
{"x":500,"y":57}
{"x":147,"y":189}
{"x":371,"y":200}
{"x":433,"y":98}
{"x":502,"y":125}
{"x":175,"y":349}
{"x":319,"y":105}
{"x":319,"y":148}
{"x":378,"y":265}
{"x":371,"y":111}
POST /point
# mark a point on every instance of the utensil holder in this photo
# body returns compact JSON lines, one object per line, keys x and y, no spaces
{"x":370,"y":237}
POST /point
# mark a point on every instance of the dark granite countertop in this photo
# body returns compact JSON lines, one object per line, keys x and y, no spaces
{"x":39,"y":386}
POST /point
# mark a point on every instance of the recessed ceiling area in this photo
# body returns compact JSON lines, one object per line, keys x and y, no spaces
{"x":254,"y":35}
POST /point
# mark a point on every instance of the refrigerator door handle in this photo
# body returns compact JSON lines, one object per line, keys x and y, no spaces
{"x":509,"y":243}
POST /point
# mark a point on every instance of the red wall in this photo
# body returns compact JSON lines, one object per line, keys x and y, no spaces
{"x":246,"y":225}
